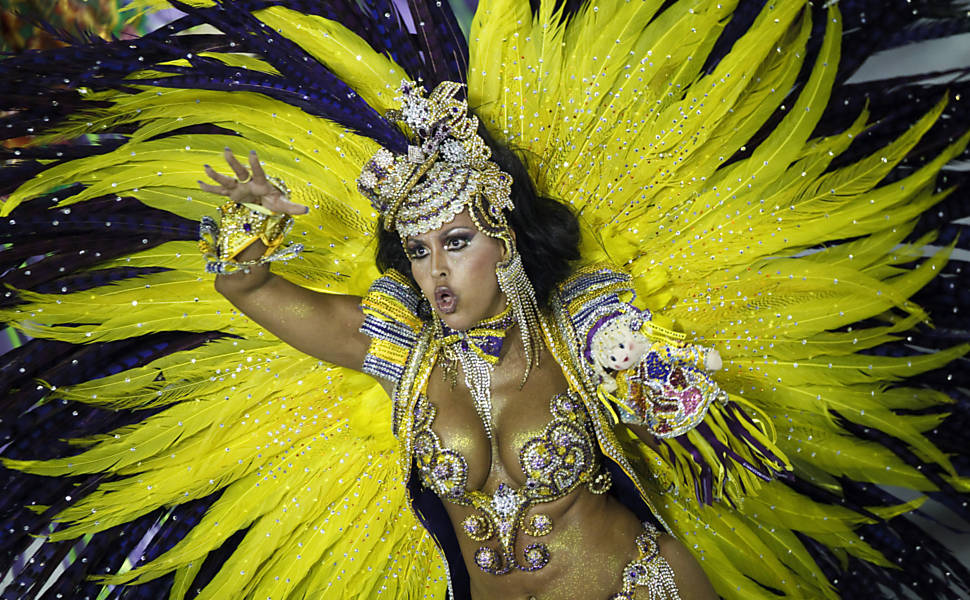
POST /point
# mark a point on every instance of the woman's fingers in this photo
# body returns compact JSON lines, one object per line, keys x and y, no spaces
{"x":214,"y":189}
{"x":259,"y":176}
{"x":256,"y":189}
{"x":237,"y":167}
{"x":276,"y":203}
{"x":226,"y":181}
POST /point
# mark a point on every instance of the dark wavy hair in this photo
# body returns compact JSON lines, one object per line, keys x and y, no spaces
{"x":546,"y":231}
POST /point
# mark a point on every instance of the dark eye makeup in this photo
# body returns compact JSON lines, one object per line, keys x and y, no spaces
{"x":452,"y":240}
{"x":415,"y":250}
{"x":456,"y":241}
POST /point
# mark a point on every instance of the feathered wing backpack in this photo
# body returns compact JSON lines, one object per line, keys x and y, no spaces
{"x":763,"y":204}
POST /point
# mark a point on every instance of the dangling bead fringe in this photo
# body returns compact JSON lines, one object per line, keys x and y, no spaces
{"x":517,"y":288}
{"x":478,"y":378}
{"x":477,"y":350}
{"x":649,"y":570}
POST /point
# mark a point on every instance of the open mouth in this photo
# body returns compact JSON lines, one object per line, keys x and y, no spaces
{"x":445,"y":300}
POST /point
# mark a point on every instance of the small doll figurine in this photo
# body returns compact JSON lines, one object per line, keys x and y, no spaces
{"x":662,"y":383}
{"x":650,"y":377}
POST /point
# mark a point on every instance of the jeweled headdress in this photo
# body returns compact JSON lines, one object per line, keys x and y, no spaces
{"x":446,"y":170}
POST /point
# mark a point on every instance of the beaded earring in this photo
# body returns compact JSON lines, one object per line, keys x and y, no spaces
{"x":518,"y":290}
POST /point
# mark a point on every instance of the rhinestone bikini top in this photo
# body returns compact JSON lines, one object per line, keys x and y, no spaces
{"x":555,"y":463}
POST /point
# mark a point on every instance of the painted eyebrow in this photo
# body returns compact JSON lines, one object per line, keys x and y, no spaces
{"x":456,"y":229}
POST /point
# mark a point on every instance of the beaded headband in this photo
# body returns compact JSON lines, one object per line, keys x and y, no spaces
{"x":444,"y":172}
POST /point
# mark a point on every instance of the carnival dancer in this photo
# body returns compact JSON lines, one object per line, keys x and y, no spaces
{"x":525,"y":490}
{"x":454,"y":419}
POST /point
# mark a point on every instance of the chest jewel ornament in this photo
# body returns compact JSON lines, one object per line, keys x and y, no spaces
{"x":555,"y":463}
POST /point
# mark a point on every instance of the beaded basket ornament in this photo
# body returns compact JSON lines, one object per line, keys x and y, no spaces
{"x":444,"y":172}
{"x":239,"y":226}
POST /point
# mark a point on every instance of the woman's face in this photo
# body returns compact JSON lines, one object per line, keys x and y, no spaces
{"x":454,"y":266}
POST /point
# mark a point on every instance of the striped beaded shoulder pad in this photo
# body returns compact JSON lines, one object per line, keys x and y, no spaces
{"x":589,"y":294}
{"x":594,"y":290}
{"x":391,"y":320}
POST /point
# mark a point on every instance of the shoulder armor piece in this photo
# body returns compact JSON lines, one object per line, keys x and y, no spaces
{"x":391,"y":320}
{"x":594,"y":291}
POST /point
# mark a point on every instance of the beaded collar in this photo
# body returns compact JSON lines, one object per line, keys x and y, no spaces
{"x":477,"y":350}
{"x":485,"y":338}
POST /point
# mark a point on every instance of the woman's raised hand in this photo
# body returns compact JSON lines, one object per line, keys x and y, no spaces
{"x":250,"y":186}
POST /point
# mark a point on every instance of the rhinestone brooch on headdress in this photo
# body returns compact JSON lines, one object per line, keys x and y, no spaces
{"x":446,"y":170}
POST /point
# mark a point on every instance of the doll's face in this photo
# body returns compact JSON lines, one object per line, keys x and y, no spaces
{"x":623,"y":351}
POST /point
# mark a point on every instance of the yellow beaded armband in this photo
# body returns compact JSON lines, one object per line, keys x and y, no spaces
{"x":240,"y":225}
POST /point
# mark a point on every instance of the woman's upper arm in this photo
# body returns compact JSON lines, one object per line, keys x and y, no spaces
{"x":326,"y":326}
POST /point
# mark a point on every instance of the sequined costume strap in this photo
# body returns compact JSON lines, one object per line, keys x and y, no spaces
{"x":391,"y":319}
{"x":648,"y":570}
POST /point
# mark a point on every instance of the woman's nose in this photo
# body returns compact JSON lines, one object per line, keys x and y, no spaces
{"x":439,"y":263}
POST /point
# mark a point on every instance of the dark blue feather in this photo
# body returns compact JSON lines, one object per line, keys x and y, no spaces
{"x":319,"y":91}
{"x":924,"y":561}
{"x":440,"y":41}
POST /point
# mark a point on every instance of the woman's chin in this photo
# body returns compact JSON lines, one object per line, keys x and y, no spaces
{"x":461,"y":318}
{"x":455,"y":321}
